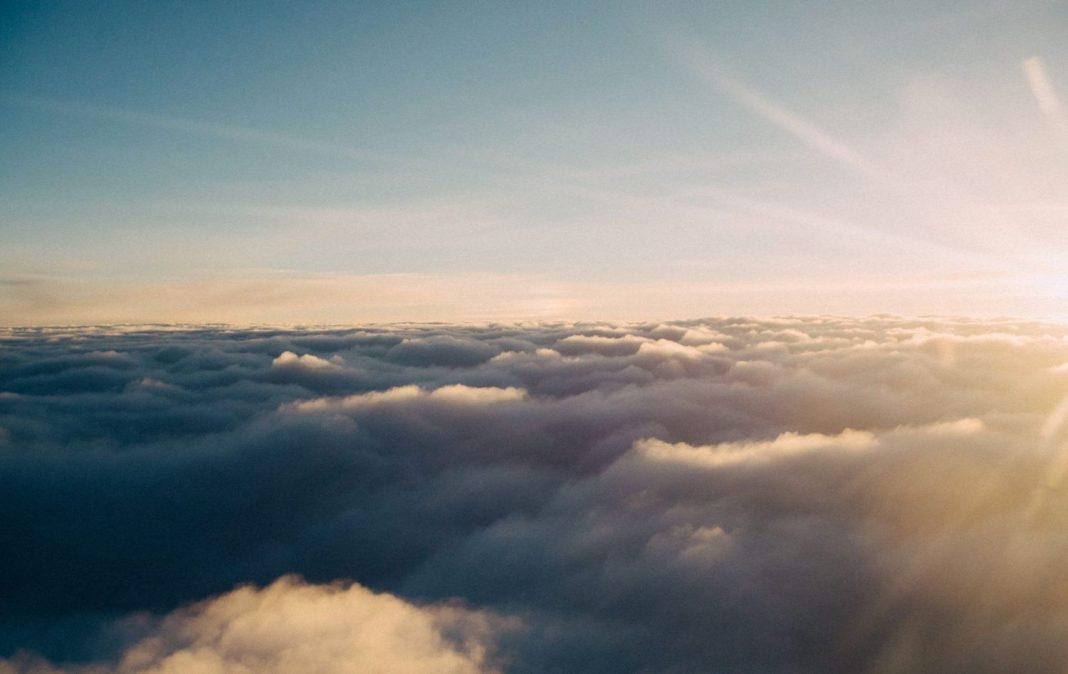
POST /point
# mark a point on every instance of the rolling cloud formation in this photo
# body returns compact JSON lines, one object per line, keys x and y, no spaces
{"x":736,"y":495}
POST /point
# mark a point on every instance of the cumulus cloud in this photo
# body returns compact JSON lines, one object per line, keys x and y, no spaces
{"x":454,"y":394}
{"x":290,"y":360}
{"x":294,"y":627}
{"x":785,"y":445}
{"x":743,"y":495}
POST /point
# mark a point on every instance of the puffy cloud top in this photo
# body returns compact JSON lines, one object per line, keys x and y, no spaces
{"x":293,"y":627}
{"x":785,"y":445}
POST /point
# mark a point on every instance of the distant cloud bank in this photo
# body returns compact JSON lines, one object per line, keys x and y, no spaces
{"x":737,"y":495}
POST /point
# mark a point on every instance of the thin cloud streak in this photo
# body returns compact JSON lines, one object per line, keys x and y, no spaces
{"x":705,"y":67}
{"x":838,"y":227}
{"x":1047,"y":98}
{"x":257,"y":137}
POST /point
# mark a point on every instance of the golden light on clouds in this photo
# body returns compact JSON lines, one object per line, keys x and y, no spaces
{"x":541,"y":494}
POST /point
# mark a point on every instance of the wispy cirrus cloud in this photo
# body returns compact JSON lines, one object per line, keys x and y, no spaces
{"x":703,"y":64}
{"x":167,"y":122}
{"x":1046,"y":96}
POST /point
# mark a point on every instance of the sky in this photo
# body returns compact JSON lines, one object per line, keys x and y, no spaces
{"x":281,"y":163}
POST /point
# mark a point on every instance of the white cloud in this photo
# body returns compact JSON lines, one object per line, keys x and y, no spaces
{"x":734,"y":453}
{"x":288,"y":359}
{"x":291,"y":626}
{"x":455,"y":394}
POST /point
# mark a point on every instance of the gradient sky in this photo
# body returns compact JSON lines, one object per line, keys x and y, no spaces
{"x":338,"y":162}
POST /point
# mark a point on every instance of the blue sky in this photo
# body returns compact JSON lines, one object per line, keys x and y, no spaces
{"x":337,"y":162}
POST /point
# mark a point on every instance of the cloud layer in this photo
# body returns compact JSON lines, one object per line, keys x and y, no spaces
{"x":732,"y":495}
